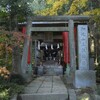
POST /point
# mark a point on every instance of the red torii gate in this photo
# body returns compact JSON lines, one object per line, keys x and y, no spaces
{"x":65,"y":45}
{"x":70,"y":30}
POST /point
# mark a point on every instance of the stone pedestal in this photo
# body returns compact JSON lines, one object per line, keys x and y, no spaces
{"x":40,"y":70}
{"x":70,"y":78}
{"x":85,"y":78}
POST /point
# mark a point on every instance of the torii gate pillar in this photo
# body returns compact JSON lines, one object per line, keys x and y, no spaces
{"x":71,"y":77}
{"x":26,"y":68}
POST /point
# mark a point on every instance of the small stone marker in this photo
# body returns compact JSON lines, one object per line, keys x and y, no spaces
{"x":84,"y":77}
{"x":83,"y":47}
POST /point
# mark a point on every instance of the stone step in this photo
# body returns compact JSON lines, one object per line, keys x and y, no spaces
{"x":72,"y":94}
{"x":97,"y":97}
{"x":45,"y":96}
{"x":45,"y":88}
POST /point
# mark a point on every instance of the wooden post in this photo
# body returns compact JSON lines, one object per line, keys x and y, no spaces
{"x":72,"y":46}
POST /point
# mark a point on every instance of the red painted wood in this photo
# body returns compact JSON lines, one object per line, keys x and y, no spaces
{"x":29,"y":55}
{"x":23,"y":29}
{"x":66,"y":48}
{"x":75,"y":35}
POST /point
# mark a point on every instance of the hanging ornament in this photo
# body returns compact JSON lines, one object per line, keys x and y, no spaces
{"x":38,"y":45}
{"x":58,"y":46}
{"x":46,"y":47}
{"x":52,"y":46}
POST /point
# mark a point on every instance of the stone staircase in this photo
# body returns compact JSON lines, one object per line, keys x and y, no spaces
{"x":50,"y":68}
{"x":45,"y":96}
{"x":45,"y":88}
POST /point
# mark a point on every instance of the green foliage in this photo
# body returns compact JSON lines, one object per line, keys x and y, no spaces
{"x":52,"y":7}
{"x":98,"y":71}
{"x":3,"y":81}
{"x":15,"y":89}
{"x":10,"y":87}
{"x":7,"y":42}
{"x":66,"y":7}
{"x":4,"y":94}
{"x":13,"y":11}
{"x":7,"y":91}
{"x":16,"y":78}
{"x":15,"y":7}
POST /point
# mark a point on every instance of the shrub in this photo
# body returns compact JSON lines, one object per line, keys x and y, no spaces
{"x":4,"y":72}
{"x":9,"y":90}
{"x":18,"y":79}
{"x":15,"y":89}
{"x":4,"y":94}
{"x":4,"y":75}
